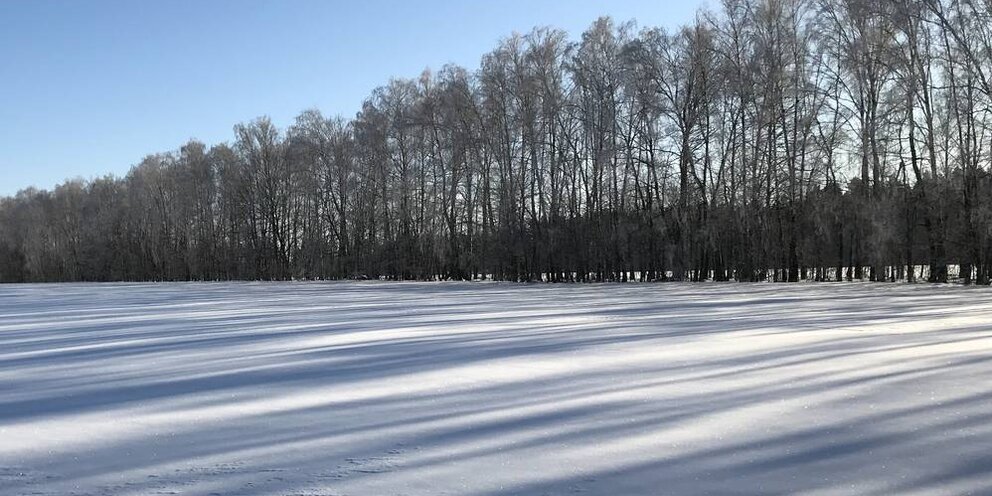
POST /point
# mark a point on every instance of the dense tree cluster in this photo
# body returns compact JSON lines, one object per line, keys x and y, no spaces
{"x":773,"y":140}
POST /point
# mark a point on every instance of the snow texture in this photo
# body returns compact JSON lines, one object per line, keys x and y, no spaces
{"x":490,"y":389}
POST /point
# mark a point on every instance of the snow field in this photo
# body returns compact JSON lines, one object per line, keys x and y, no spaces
{"x":487,"y":389}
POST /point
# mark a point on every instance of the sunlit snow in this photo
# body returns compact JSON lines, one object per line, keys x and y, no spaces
{"x":489,"y":389}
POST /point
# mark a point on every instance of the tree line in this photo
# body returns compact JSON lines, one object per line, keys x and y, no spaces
{"x":777,"y":140}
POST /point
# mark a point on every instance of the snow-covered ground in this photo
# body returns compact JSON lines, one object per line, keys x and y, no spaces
{"x":491,"y":389}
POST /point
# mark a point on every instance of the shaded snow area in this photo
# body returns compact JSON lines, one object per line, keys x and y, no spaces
{"x":490,"y":389}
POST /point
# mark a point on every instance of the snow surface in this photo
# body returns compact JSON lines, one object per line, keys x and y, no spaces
{"x":490,"y":389}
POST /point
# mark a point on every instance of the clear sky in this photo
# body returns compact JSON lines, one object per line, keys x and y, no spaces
{"x":90,"y":87}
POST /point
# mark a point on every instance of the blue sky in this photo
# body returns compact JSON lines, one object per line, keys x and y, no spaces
{"x":88,"y":88}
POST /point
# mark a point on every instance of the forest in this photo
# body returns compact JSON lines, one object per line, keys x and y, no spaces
{"x":769,"y":140}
